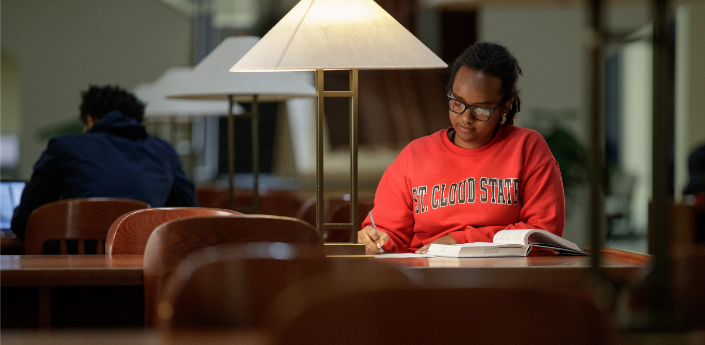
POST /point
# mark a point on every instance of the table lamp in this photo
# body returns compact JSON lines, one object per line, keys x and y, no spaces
{"x":349,"y":35}
{"x":210,"y":80}
{"x":158,"y":105}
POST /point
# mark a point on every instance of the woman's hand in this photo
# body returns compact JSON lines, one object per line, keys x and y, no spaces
{"x":370,"y":237}
{"x":447,"y":239}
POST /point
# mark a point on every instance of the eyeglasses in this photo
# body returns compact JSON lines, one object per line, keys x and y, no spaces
{"x":478,"y":113}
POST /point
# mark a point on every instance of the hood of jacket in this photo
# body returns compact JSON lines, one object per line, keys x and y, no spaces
{"x":116,"y":123}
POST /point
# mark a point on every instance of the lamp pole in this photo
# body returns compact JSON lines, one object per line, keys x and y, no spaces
{"x":320,"y":98}
{"x":255,"y":152}
{"x":596,"y":166}
{"x":659,"y":237}
{"x":354,"y":225}
{"x":231,"y":153}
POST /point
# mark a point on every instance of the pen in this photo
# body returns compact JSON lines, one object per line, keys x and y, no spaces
{"x":381,"y":251}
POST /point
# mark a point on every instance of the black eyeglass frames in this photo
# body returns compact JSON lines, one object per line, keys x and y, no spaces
{"x":478,"y":113}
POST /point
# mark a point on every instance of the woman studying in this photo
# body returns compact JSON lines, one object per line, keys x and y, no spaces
{"x":467,"y":182}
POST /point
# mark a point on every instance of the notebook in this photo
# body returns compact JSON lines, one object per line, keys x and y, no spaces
{"x":10,"y":194}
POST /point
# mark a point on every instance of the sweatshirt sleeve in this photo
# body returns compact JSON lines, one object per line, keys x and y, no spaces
{"x":393,"y":206}
{"x":543,"y":206}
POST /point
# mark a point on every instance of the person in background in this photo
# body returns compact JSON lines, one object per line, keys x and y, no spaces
{"x":469,"y":181}
{"x":695,"y":189}
{"x":115,"y":157}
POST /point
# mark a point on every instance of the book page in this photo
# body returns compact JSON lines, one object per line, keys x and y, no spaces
{"x":507,"y":261}
{"x":475,"y":244}
{"x":543,"y":236}
{"x":519,"y":236}
{"x":527,"y":236}
{"x":402,"y":255}
{"x":482,"y":245}
{"x":478,"y":249}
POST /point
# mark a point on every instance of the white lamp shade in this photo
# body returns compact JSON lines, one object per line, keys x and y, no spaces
{"x":158,"y":105}
{"x":143,"y":91}
{"x":338,"y":34}
{"x":210,"y":79}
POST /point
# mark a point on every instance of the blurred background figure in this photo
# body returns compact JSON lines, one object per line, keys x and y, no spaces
{"x":695,"y":189}
{"x":115,"y":157}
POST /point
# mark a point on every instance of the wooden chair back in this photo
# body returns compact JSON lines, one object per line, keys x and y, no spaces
{"x":130,"y":232}
{"x":75,"y":219}
{"x":174,"y":240}
{"x":341,"y":214}
{"x":437,"y":316}
{"x":285,"y":203}
{"x":249,"y":276}
{"x":307,"y":211}
{"x":211,"y":196}
{"x":688,"y":281}
{"x":687,"y":224}
{"x":337,"y":210}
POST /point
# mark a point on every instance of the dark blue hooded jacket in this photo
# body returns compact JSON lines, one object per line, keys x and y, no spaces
{"x":115,"y":158}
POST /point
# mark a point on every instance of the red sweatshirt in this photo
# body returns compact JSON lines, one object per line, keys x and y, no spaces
{"x":435,"y":188}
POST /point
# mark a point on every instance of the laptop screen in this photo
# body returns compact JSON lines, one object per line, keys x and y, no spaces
{"x":10,"y":194}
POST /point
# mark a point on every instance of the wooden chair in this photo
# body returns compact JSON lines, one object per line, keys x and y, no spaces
{"x":250,"y":276}
{"x":75,"y":219}
{"x":174,"y":240}
{"x":211,"y":196}
{"x":285,"y":203}
{"x":688,"y":283}
{"x":687,"y":224}
{"x":130,"y":232}
{"x":341,"y":214}
{"x":337,"y":210}
{"x":307,"y":212}
{"x":436,"y":316}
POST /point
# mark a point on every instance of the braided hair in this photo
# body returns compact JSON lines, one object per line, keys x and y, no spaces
{"x":100,"y":100}
{"x":495,"y":60}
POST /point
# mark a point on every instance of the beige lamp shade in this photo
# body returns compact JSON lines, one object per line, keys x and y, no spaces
{"x":338,"y":34}
{"x":158,"y":105}
{"x":143,"y":91}
{"x":210,"y":79}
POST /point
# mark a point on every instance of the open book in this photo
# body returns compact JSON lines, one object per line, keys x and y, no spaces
{"x":509,"y":243}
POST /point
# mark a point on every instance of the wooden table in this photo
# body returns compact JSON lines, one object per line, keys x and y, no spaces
{"x":88,"y":270}
{"x":151,"y":337}
{"x":48,"y":279}
{"x":134,"y":336}
{"x":71,"y":291}
{"x":63,"y":270}
{"x":557,"y":272}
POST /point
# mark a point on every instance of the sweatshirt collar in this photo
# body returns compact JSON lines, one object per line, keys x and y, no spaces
{"x":459,"y":151}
